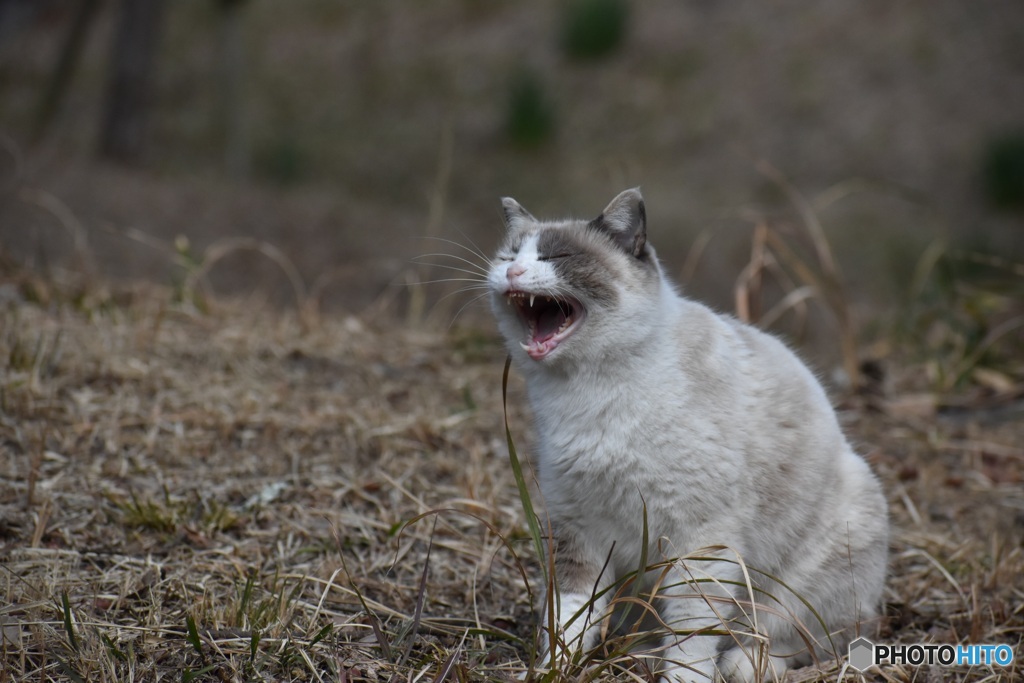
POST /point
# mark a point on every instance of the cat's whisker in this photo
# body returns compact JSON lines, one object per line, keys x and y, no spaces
{"x":463,"y":290}
{"x":476,"y":266}
{"x":480,"y":283}
{"x":560,"y":297}
{"x":457,"y":268}
{"x":476,"y":251}
{"x":476,"y":248}
{"x":482,"y":276}
{"x":465,"y":306}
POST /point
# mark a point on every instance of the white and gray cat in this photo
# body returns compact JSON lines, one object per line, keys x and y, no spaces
{"x":643,"y":398}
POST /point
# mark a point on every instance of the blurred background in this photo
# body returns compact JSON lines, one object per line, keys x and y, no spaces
{"x":864,"y":154}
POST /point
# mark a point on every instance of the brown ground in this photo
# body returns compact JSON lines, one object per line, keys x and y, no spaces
{"x":237,"y":495}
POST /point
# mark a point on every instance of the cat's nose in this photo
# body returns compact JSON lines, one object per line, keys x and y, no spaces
{"x":514,"y":271}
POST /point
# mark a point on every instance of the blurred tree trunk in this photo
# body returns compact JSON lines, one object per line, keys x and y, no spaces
{"x":70,"y":51}
{"x":233,"y":115}
{"x":129,"y":88}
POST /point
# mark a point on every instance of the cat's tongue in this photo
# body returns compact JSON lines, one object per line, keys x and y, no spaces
{"x":545,"y":327}
{"x":550,"y":319}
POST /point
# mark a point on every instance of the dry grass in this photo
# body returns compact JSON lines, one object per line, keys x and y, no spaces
{"x":239,"y":494}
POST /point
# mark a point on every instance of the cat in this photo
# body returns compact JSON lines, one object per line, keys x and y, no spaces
{"x":657,"y":418}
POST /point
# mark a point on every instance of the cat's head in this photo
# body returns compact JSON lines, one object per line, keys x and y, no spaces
{"x":574,"y":289}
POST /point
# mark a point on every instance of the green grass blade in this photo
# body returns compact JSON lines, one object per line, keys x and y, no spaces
{"x":244,"y":600}
{"x":193,"y":636}
{"x":532,"y":520}
{"x":70,"y":671}
{"x":188,"y":675}
{"x":641,"y":570}
{"x":68,"y":625}
{"x":254,"y":644}
{"x":517,"y":472}
{"x":112,"y":648}
{"x":321,"y":634}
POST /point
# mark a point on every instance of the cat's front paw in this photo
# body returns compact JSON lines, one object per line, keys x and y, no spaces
{"x":736,"y":666}
{"x":685,"y":675}
{"x":692,"y":661}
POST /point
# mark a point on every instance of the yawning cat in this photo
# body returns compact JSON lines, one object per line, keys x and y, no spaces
{"x":655,"y":414}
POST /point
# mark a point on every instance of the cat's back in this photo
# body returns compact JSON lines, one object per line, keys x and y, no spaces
{"x":738,"y":367}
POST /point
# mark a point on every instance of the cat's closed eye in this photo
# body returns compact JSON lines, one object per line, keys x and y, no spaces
{"x":554,"y":257}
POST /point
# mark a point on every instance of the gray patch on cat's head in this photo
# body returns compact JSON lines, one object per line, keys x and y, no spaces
{"x":586,"y":269}
{"x":596,"y":258}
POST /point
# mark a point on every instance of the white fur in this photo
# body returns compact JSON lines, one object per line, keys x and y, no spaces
{"x":729,"y":440}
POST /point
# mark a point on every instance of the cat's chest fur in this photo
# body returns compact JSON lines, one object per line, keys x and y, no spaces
{"x":662,"y":436}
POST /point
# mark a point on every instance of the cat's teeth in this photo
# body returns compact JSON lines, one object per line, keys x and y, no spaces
{"x":526,"y":347}
{"x":531,"y":300}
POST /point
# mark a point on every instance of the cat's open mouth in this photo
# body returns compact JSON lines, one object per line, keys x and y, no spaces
{"x":549,"y":320}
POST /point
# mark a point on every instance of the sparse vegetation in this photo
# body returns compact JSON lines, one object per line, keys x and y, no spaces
{"x":241,"y":494}
{"x":965,"y":319}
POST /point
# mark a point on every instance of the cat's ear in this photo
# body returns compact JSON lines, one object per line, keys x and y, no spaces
{"x":625,"y":219}
{"x":514,"y":214}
